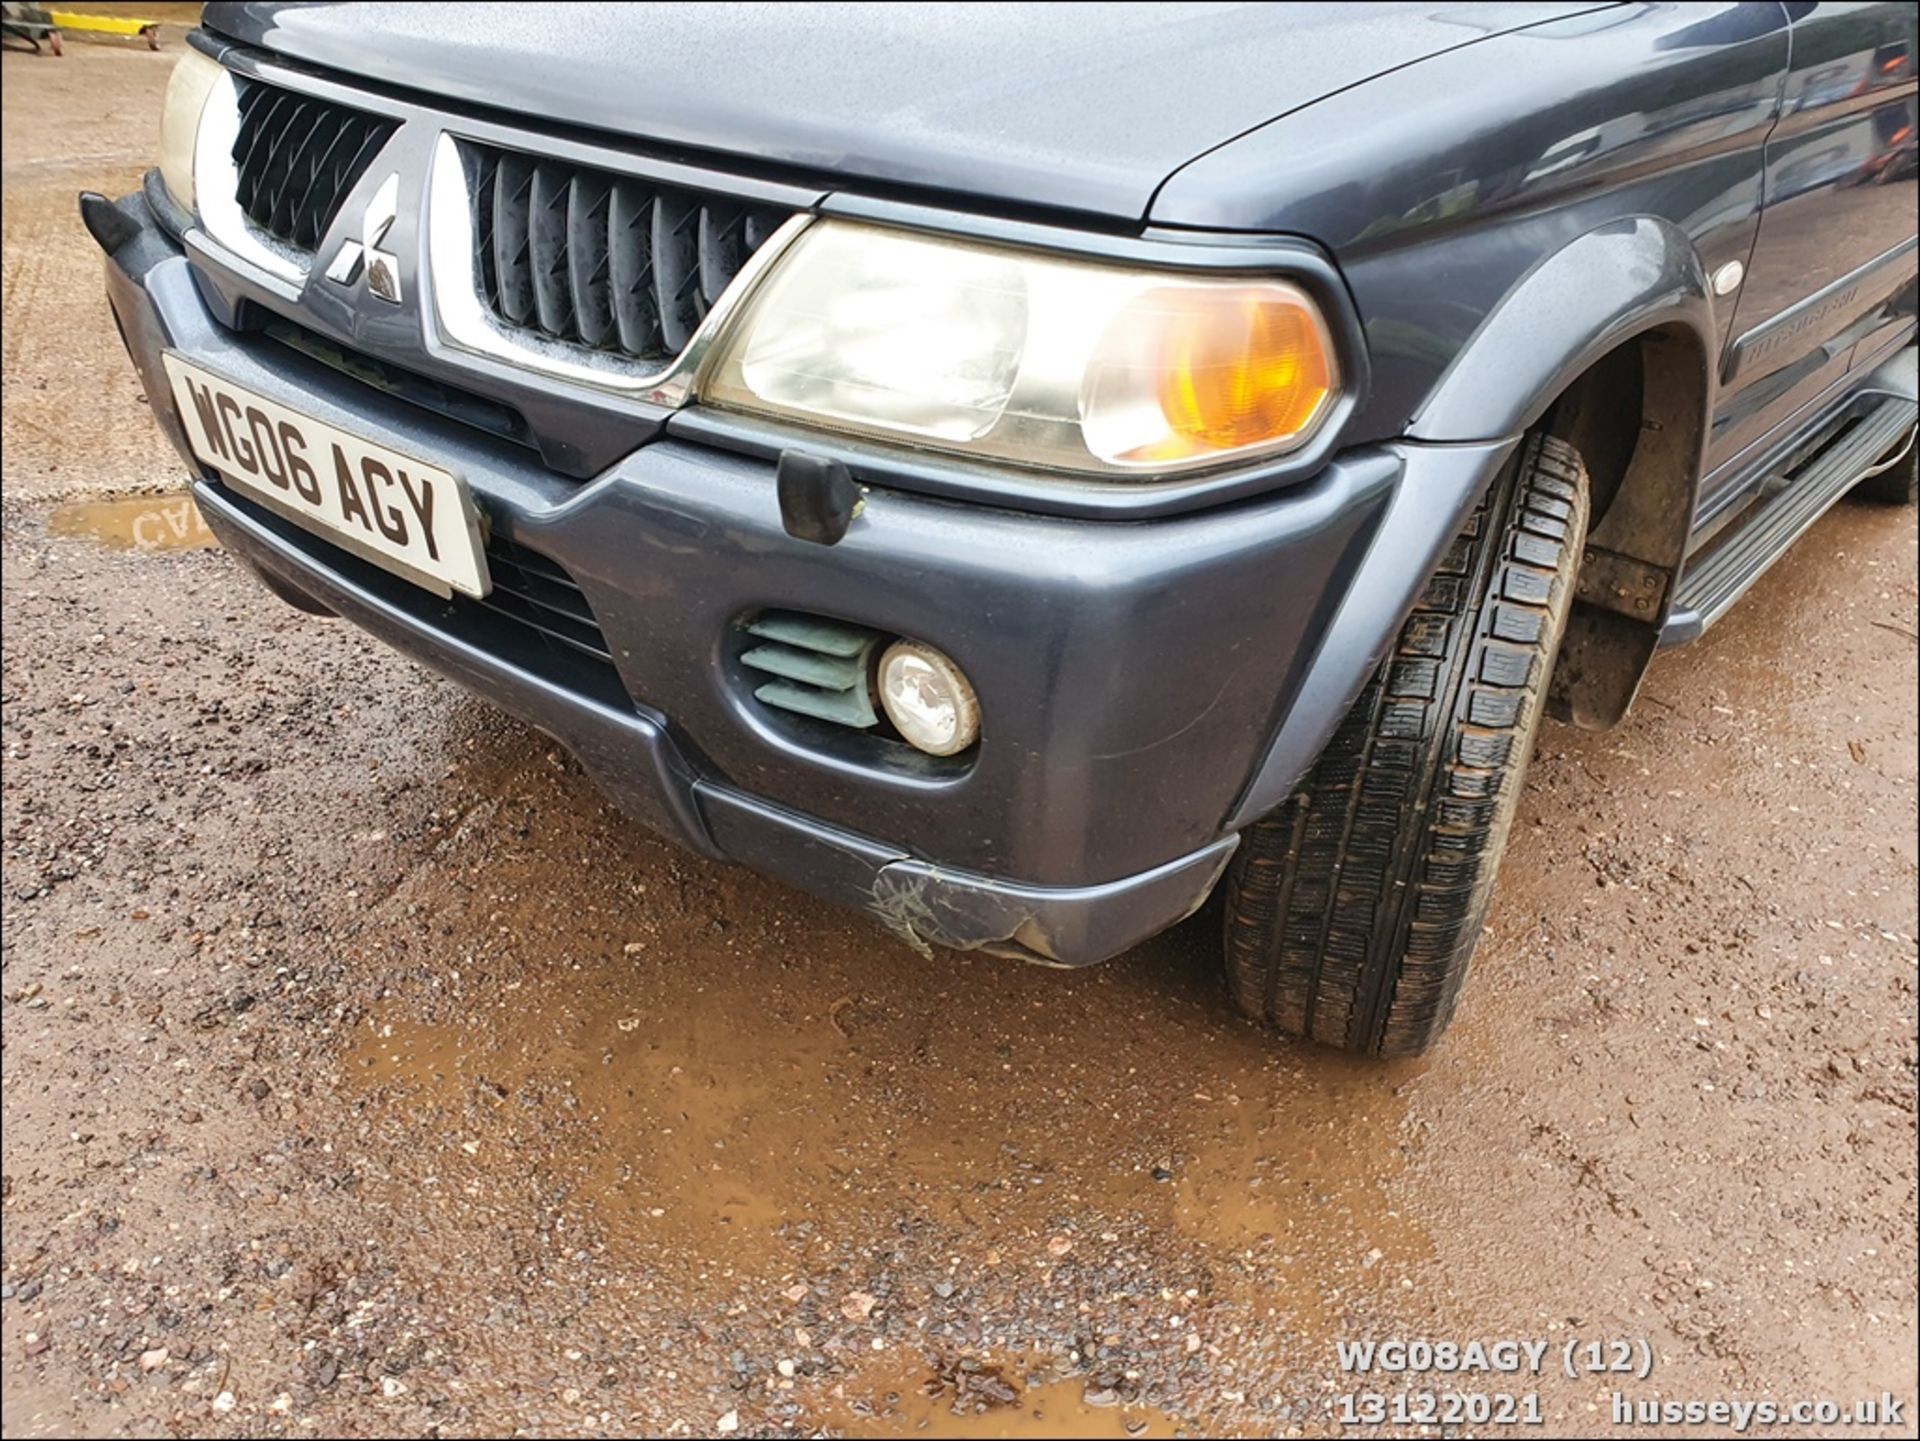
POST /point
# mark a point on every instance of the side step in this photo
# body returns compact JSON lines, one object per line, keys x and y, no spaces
{"x":1707,"y":590}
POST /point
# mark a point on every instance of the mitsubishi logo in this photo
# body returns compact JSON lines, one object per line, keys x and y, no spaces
{"x":382,"y":266}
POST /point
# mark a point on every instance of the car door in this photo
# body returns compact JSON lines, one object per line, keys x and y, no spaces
{"x":1833,"y":266}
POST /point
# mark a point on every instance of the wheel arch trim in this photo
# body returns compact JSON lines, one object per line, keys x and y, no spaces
{"x":1629,"y":281}
{"x":1438,"y":488}
{"x":1564,"y":315}
{"x":1633,"y":284}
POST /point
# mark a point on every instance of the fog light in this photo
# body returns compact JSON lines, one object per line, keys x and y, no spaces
{"x":927,"y":698}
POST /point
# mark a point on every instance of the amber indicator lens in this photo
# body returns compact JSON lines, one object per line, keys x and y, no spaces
{"x":1190,"y":371}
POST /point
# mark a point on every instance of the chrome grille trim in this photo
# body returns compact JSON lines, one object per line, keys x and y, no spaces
{"x":297,"y":157}
{"x":452,"y":309}
{"x":466,"y":322}
{"x":216,"y":186}
{"x":607,"y":261}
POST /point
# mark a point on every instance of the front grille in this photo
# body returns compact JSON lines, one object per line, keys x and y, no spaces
{"x":606,"y":261}
{"x":535,"y":618}
{"x":296,"y":158}
{"x":537,"y":593}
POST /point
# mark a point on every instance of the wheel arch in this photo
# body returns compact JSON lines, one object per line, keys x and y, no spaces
{"x":1608,"y":343}
{"x":1638,"y":416}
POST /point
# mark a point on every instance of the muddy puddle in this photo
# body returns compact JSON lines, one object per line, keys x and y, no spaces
{"x":136,"y":522}
{"x":726,"y":1125}
{"x":684,"y":1127}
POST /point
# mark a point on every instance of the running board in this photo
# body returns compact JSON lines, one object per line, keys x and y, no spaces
{"x":1709,"y":589}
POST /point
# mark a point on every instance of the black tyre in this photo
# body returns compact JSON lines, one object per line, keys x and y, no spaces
{"x":1899,"y":483}
{"x":1353,"y":910}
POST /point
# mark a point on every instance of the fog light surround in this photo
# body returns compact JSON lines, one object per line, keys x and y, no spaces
{"x":928,"y":698}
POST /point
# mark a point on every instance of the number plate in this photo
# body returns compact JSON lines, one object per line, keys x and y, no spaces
{"x":409,"y":517}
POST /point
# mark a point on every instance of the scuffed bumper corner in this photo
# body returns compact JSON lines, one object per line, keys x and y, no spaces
{"x":138,"y":267}
{"x":925,"y":906}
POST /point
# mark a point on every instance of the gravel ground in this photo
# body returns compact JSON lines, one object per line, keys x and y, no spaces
{"x":365,"y":1074}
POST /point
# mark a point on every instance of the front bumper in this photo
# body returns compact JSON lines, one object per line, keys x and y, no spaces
{"x":1137,"y":680}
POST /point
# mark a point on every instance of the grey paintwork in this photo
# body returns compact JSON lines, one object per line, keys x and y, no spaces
{"x":1054,"y":106}
{"x":1441,"y":190}
{"x":1582,"y":301}
{"x":1485,"y":199}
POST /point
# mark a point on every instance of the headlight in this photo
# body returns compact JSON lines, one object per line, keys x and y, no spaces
{"x":192,"y":82}
{"x":1026,"y":357}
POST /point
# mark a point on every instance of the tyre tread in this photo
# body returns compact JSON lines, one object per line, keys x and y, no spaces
{"x":1352,"y":911}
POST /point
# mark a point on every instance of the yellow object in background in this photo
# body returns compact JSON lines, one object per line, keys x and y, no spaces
{"x":128,"y":25}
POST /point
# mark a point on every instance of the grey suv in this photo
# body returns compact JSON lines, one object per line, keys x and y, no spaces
{"x":1014,"y":469}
